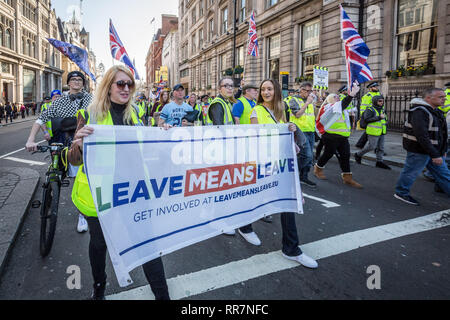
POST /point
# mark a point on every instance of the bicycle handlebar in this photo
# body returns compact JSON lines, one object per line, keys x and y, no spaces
{"x":53,"y":147}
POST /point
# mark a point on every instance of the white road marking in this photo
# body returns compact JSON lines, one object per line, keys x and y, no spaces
{"x":260,"y":265}
{"x":21,"y":149}
{"x":325,"y":203}
{"x":31,"y":163}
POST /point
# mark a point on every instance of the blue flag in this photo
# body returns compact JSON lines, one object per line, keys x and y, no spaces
{"x":76,"y":54}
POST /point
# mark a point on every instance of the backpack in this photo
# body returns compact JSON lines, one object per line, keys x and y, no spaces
{"x":362,"y":122}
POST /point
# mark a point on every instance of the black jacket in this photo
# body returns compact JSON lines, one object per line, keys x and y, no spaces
{"x":216,"y":112}
{"x":422,"y":134}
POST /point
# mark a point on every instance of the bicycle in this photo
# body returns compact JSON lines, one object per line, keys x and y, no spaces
{"x":55,"y":179}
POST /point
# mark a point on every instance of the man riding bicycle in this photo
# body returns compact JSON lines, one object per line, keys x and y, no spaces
{"x":63,"y":107}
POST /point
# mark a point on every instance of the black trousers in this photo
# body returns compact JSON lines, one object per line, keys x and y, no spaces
{"x":153,"y":270}
{"x":333,"y":143}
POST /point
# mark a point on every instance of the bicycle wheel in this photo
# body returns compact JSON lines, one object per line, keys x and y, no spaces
{"x":49,"y":214}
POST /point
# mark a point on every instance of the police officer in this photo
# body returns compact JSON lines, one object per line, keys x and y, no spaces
{"x":375,"y":118}
{"x":366,"y":102}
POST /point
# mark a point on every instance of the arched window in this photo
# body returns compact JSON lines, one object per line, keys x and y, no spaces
{"x":29,"y":47}
{"x":33,"y":50}
{"x":8,"y":41}
{"x":1,"y":36}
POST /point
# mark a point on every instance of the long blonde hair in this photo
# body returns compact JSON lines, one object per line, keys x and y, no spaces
{"x":101,"y":104}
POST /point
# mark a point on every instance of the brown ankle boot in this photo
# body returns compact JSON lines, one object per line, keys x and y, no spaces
{"x":318,"y":172}
{"x":347,"y":177}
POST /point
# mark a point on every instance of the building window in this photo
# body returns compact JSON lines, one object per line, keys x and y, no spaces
{"x":271,"y":3}
{"x":211,"y":29}
{"x":6,"y":27}
{"x":200,"y":39}
{"x":208,"y":72}
{"x":416,"y":33}
{"x":200,"y":8}
{"x":194,"y":19}
{"x":45,"y":24}
{"x":274,"y":57}
{"x":222,"y":63}
{"x":29,"y":11}
{"x":193,"y":44}
{"x":6,"y":68}
{"x":224,"y":20}
{"x":240,"y":56}
{"x":242,"y":12}
{"x":309,"y":47}
{"x":8,"y":42}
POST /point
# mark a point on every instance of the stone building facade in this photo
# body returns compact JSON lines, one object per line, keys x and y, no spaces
{"x":296,"y":35}
{"x":30,"y":67}
{"x":170,"y":57}
{"x":153,"y":60}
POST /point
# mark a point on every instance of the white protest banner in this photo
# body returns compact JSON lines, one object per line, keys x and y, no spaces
{"x":157,"y":191}
{"x":320,"y":78}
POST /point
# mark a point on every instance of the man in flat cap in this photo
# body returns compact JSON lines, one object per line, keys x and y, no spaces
{"x":366,"y":101}
{"x":243,"y":108}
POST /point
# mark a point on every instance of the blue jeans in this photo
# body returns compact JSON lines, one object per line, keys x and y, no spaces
{"x":306,"y":155}
{"x":414,"y":164}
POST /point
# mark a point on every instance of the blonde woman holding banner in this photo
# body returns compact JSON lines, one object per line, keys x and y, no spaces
{"x":270,"y":109}
{"x":112,"y":105}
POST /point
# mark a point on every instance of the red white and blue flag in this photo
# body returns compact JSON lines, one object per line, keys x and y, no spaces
{"x":118,"y":50}
{"x":253,"y":37}
{"x":356,"y":52}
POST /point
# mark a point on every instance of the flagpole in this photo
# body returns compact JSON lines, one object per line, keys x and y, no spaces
{"x":246,"y":54}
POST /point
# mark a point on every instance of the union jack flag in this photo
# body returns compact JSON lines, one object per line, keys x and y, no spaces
{"x":253,"y":37}
{"x":356,"y":52}
{"x":118,"y":50}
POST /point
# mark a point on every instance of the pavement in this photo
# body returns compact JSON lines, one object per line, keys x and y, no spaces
{"x":393,"y":148}
{"x":19,"y":120}
{"x":18,"y":185}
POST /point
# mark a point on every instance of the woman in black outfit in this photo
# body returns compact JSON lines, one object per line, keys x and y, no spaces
{"x":335,"y":139}
{"x":113,"y":100}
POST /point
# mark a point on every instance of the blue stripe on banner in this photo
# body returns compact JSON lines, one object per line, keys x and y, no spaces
{"x":192,"y":140}
{"x":199,"y":225}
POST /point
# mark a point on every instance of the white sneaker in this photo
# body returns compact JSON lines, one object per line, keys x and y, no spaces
{"x":304,"y":260}
{"x":82,"y":224}
{"x":250,"y":238}
{"x":230,"y":232}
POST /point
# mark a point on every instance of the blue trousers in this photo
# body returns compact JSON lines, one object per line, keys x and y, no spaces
{"x":414,"y":164}
{"x":306,"y":155}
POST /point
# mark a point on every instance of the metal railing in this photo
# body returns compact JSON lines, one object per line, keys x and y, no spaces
{"x":396,"y":107}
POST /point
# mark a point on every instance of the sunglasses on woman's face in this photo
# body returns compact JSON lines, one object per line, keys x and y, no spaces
{"x":121,"y":84}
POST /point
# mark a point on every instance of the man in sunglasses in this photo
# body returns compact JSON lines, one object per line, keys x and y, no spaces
{"x":64,"y":107}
